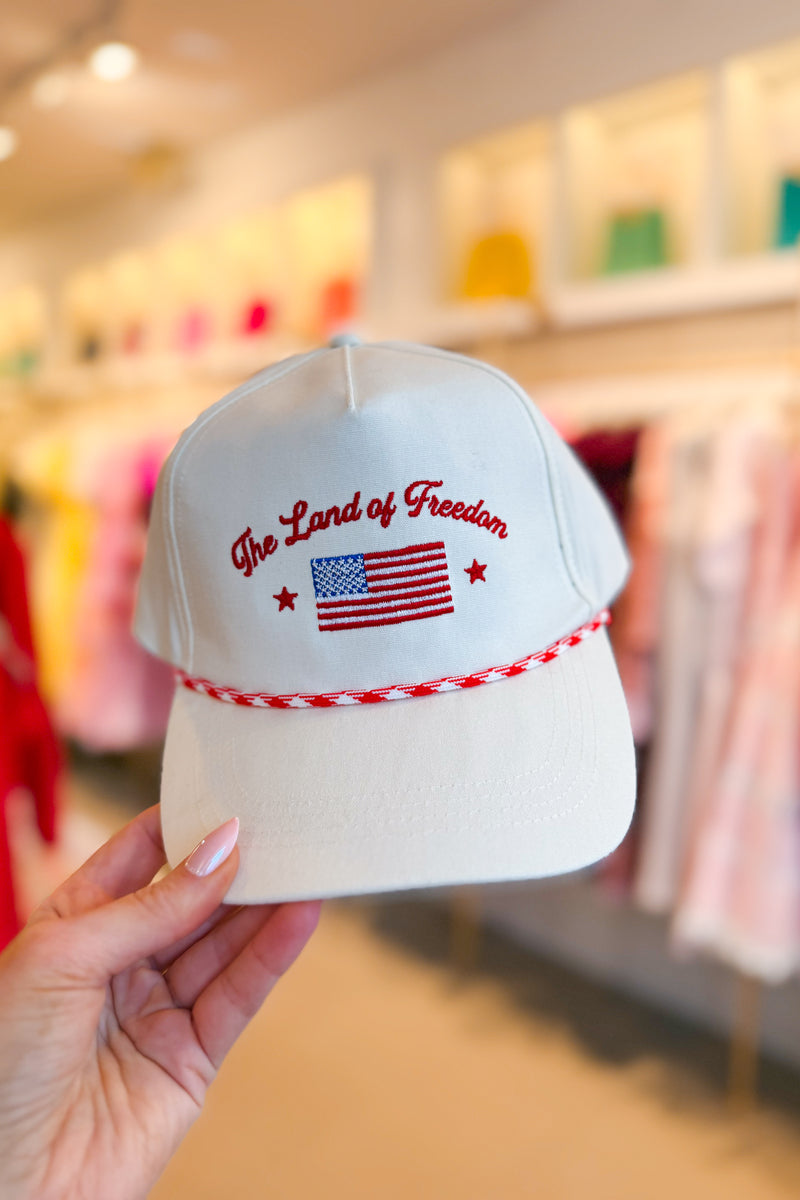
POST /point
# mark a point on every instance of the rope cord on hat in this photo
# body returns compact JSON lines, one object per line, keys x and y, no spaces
{"x":397,"y":691}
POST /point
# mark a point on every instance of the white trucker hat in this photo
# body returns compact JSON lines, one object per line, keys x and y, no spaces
{"x":383,"y":579}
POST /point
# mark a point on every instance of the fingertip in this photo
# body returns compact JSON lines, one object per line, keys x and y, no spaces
{"x":293,"y":923}
{"x":302,"y":914}
{"x":214,"y":849}
{"x":311,"y":914}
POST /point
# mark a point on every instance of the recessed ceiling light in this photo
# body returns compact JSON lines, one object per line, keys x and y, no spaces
{"x":113,"y":61}
{"x":50,"y":90}
{"x":8,"y":142}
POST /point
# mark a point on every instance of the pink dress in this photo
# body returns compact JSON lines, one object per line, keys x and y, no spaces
{"x":119,"y":697}
{"x":681,"y":637}
{"x":740,"y":894}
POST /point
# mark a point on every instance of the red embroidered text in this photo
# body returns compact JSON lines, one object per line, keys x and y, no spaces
{"x":385,"y":509}
{"x":319,"y":520}
{"x":419,"y":497}
{"x":247,"y":552}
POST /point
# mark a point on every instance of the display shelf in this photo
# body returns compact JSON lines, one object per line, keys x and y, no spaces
{"x":657,"y":203}
{"x":329,"y":233}
{"x":220,"y":362}
{"x":23,"y":330}
{"x":255,"y":276}
{"x":762,"y":280}
{"x":634,"y":176}
{"x":81,"y":316}
{"x":188,"y":280}
{"x":236,"y":359}
{"x":227,"y":299}
{"x":761,"y":150}
{"x":458,"y":325}
{"x":141,"y":304}
{"x":494,"y":206}
{"x":131,"y":297}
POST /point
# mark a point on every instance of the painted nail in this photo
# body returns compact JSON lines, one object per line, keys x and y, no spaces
{"x":214,"y":848}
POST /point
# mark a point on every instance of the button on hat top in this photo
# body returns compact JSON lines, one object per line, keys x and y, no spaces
{"x":344,"y":339}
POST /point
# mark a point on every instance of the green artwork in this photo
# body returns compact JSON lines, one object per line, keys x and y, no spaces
{"x":787,"y":230}
{"x":636,"y":241}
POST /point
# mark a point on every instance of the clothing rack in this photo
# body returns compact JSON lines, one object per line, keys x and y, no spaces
{"x":630,"y":400}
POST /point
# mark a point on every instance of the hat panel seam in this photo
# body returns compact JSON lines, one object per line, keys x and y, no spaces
{"x":564,"y":542}
{"x":349,"y":383}
{"x":172,"y":567}
{"x":193,"y":438}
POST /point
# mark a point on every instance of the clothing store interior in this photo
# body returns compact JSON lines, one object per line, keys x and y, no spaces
{"x":603,"y":202}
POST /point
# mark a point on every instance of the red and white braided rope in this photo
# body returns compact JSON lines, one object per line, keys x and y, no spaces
{"x":397,"y":691}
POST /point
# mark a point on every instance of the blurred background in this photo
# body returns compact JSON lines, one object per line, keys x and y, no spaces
{"x":603,"y":199}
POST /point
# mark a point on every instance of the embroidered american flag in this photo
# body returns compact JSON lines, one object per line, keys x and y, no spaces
{"x":382,"y":587}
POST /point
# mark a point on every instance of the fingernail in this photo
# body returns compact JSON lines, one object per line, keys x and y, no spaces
{"x":214,"y":849}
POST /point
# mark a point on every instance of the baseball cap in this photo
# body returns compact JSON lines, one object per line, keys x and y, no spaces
{"x":383,"y":581}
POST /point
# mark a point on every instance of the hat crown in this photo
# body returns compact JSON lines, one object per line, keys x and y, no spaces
{"x":366,"y":515}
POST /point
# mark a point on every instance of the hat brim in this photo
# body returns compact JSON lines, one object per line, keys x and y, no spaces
{"x":526,"y":777}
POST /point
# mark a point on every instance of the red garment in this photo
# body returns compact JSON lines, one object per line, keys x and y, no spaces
{"x":338,"y":304}
{"x":612,"y":457}
{"x":609,"y":457}
{"x":29,"y":752}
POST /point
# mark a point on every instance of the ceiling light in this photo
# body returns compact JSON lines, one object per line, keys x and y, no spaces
{"x":49,"y":91}
{"x":8,"y":142}
{"x":113,"y":61}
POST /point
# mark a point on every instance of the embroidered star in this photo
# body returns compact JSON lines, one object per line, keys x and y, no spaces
{"x":285,"y":599}
{"x":476,"y":571}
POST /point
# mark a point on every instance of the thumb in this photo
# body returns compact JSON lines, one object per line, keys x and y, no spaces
{"x":115,"y":935}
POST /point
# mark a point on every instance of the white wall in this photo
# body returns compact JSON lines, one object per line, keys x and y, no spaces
{"x":561,"y":52}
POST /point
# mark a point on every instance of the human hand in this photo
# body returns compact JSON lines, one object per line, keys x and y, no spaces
{"x":118,"y":1003}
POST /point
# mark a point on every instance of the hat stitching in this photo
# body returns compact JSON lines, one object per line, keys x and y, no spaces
{"x":457,"y":811}
{"x":275,"y":842}
{"x":555,"y":491}
{"x":394,"y":691}
{"x":364,"y":591}
{"x":427,"y":790}
{"x":193,"y":437}
{"x":349,"y":386}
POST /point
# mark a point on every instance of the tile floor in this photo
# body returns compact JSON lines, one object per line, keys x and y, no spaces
{"x":378,"y":1072}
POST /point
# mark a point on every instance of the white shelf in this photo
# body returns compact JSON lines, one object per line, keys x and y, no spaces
{"x":707,"y":149}
{"x":642,"y":151}
{"x":760,"y":120}
{"x":675,"y":291}
{"x":634,"y":399}
{"x":455,"y":325}
{"x":498,"y":184}
{"x":217,"y":363}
